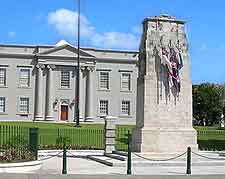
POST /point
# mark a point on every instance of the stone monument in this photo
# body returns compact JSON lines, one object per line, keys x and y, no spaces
{"x":164,"y":89}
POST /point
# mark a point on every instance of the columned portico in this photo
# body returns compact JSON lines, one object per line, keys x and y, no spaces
{"x":89,"y":113}
{"x":39,"y":93}
{"x":49,"y":93}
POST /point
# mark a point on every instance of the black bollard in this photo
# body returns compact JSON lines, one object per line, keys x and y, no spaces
{"x":64,"y":170}
{"x":129,"y":155}
{"x":188,"y":161}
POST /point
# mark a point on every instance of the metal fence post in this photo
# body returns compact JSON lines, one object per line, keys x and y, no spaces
{"x":188,"y":161}
{"x":129,"y":155}
{"x":64,"y":170}
{"x":33,"y":141}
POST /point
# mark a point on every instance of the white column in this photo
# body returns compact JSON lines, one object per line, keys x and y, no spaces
{"x":89,"y":94}
{"x":81,"y":94}
{"x":39,"y":94}
{"x":49,"y":93}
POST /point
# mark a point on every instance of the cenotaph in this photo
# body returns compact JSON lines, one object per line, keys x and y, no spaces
{"x":164,"y":89}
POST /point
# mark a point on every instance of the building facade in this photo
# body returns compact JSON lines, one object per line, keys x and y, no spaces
{"x":38,"y":83}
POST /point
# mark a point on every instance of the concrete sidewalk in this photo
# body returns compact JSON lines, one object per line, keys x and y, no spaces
{"x":88,"y":167}
{"x":49,"y":176}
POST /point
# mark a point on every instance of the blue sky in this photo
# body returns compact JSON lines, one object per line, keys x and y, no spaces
{"x":116,"y":24}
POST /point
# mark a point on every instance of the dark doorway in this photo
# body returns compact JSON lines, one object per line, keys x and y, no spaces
{"x":64,"y":112}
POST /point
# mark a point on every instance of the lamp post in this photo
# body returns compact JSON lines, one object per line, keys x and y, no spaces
{"x":77,"y":92}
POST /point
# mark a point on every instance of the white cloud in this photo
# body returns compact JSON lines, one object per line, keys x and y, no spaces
{"x":11,"y":34}
{"x":116,"y":40}
{"x":65,"y":22}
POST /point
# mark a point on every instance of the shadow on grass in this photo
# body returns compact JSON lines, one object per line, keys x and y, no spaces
{"x":212,"y":145}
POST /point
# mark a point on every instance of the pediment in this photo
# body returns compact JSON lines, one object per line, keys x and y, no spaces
{"x":65,"y":50}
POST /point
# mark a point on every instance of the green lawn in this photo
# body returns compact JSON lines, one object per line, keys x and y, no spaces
{"x":49,"y":125}
{"x":88,"y":136}
{"x":91,"y":136}
{"x":211,"y":138}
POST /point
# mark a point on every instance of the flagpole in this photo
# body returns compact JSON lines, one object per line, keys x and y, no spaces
{"x":77,"y":90}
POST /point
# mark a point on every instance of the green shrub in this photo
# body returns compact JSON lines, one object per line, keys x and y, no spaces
{"x":63,"y":140}
{"x":17,"y":141}
{"x":16,"y":149}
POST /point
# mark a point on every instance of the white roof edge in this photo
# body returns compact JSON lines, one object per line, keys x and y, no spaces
{"x":62,"y":43}
{"x":110,"y":50}
{"x":84,"y":48}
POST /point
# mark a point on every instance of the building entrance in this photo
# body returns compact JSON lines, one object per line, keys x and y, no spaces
{"x":64,"y":113}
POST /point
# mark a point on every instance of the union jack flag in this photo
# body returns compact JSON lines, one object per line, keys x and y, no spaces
{"x":174,"y":63}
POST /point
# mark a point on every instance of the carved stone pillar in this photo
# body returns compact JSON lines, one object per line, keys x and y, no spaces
{"x":110,"y":134}
{"x":164,"y":112}
{"x":38,"y":94}
{"x":89,"y":94}
{"x":49,"y":93}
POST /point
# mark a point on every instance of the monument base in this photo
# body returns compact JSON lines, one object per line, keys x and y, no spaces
{"x":149,"y":140}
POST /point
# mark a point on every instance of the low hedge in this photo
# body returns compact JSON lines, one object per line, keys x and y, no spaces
{"x":211,"y":145}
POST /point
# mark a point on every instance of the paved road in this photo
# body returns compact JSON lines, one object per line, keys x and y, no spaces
{"x":89,"y":167}
{"x":36,"y":176}
{"x":81,"y":168}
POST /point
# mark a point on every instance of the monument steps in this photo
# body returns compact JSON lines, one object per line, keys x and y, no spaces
{"x":116,"y":156}
{"x":105,"y":160}
{"x":120,"y":153}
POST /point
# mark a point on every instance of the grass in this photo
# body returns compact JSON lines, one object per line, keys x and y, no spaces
{"x":198,"y":128}
{"x":211,"y":138}
{"x":88,"y":136}
{"x":91,"y":136}
{"x":49,"y":125}
{"x":208,"y":133}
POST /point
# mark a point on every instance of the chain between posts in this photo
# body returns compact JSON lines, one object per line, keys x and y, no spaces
{"x":210,"y":158}
{"x":50,"y":157}
{"x":173,"y":158}
{"x":75,"y":156}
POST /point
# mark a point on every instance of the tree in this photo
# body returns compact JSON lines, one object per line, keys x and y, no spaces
{"x":208,"y":102}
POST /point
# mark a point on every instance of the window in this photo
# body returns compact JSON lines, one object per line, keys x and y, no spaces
{"x":103,"y":107}
{"x":125,"y":108}
{"x":65,"y":79}
{"x":125,"y":81}
{"x":2,"y":77}
{"x":24,"y":77}
{"x":2,"y":104}
{"x":24,"y":105}
{"x":104,"y":80}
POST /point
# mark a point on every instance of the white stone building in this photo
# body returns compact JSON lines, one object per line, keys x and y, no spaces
{"x":38,"y":83}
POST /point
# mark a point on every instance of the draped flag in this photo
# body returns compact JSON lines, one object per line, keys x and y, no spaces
{"x":174,"y":62}
{"x":165,"y":61}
